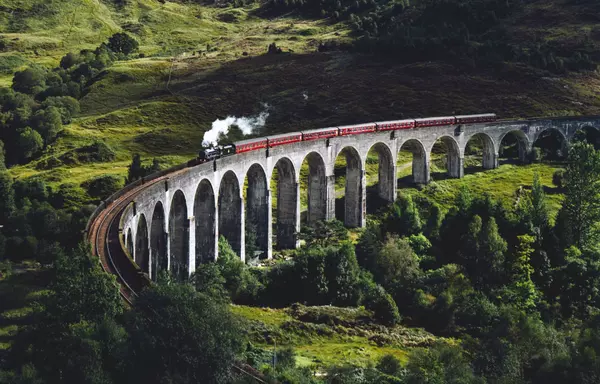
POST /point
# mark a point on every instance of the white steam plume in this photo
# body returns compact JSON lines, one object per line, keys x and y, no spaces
{"x":246,"y":124}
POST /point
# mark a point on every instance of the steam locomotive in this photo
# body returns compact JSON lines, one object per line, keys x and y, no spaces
{"x":213,"y":153}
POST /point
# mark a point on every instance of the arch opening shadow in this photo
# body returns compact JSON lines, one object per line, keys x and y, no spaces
{"x":129,"y":241}
{"x":380,"y":177}
{"x":480,"y":153}
{"x":313,"y":188}
{"x":412,"y":164}
{"x":142,"y":253}
{"x":350,"y":207}
{"x":285,"y":211}
{"x":230,"y":211}
{"x":204,"y":218}
{"x":179,"y":236}
{"x":514,"y":147}
{"x":550,"y":144}
{"x":158,"y":242}
{"x":257,"y":213}
{"x":445,"y":159}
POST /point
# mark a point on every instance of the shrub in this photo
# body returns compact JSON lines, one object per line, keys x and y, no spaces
{"x":535,"y":155}
{"x":381,"y":303}
{"x":122,"y":43}
{"x":558,"y":178}
{"x":389,"y":365}
{"x":103,"y":186}
{"x":94,"y":153}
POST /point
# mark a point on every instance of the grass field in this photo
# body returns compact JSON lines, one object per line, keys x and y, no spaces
{"x":324,"y":344}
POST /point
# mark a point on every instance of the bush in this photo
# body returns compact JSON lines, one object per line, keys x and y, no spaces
{"x":389,"y":365}
{"x":122,"y":43}
{"x":29,"y":143}
{"x":103,"y":186}
{"x":97,"y":152}
{"x":535,"y":155}
{"x":558,"y":178}
{"x":383,"y":306}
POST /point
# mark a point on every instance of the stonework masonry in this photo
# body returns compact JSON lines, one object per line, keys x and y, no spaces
{"x":175,"y":225}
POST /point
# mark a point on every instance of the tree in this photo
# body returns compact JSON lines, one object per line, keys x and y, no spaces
{"x":122,"y":43}
{"x":242,"y":285}
{"x":208,"y":280}
{"x":384,"y":308}
{"x":482,"y":253}
{"x":342,"y":273}
{"x":369,"y":244}
{"x":324,"y":233}
{"x":440,"y":363}
{"x":521,"y":291}
{"x":135,"y":168}
{"x":2,"y":156}
{"x":30,"y":81}
{"x":82,"y":291}
{"x":48,"y":122}
{"x":7,"y":197}
{"x":67,"y":106}
{"x":403,"y":218}
{"x":103,"y":186}
{"x":180,"y":335}
{"x":539,"y":213}
{"x":29,"y":143}
{"x":580,"y":212}
{"x":389,"y":365}
{"x":68,"y":60}
{"x":395,"y":262}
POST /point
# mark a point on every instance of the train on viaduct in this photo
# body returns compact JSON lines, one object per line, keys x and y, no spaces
{"x":172,"y":220}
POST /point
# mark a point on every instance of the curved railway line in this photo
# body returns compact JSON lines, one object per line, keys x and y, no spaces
{"x":103,"y":231}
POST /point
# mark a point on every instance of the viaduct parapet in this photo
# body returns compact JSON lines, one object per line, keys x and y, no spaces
{"x":174,"y":224}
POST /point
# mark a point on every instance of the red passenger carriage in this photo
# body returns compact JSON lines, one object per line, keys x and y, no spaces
{"x":322,"y":133}
{"x":284,"y":138}
{"x":482,"y":118}
{"x":396,"y":124}
{"x":356,"y":129}
{"x":250,"y":144}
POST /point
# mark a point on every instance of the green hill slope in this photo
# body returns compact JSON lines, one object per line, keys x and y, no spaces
{"x":203,"y":62}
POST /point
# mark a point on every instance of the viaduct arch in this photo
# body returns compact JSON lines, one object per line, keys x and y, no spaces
{"x":177,"y":217}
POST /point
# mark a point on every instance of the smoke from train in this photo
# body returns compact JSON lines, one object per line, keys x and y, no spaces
{"x":247,"y":125}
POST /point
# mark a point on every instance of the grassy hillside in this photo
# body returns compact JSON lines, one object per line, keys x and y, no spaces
{"x":194,"y":71}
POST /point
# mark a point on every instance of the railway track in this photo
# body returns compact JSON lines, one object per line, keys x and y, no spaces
{"x":103,"y":236}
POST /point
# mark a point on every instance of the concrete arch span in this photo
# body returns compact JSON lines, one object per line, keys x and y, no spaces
{"x":257,"y":210}
{"x":142,"y":252}
{"x":553,"y":141}
{"x":522,"y":141}
{"x":316,"y":187}
{"x":420,"y":160}
{"x":489,"y":155}
{"x":287,"y":218}
{"x":158,"y":242}
{"x":386,"y":171}
{"x":179,"y":236}
{"x":354,"y":202}
{"x":230,"y":211}
{"x":205,"y":218}
{"x":454,"y":161}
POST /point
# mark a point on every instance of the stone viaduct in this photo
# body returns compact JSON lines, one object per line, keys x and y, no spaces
{"x":175,"y":224}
